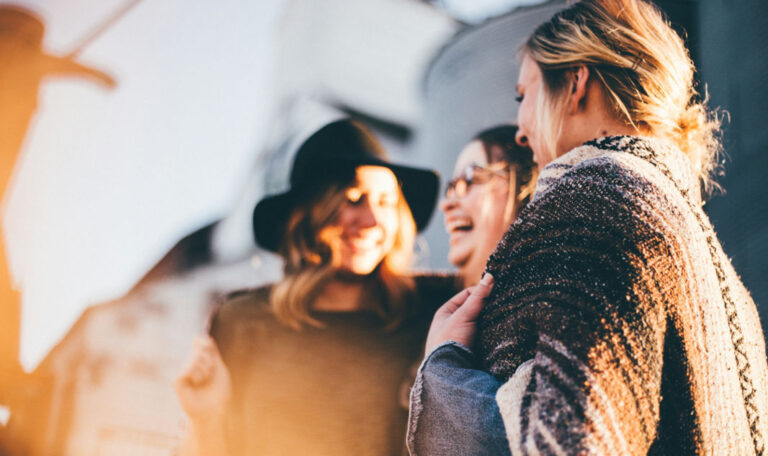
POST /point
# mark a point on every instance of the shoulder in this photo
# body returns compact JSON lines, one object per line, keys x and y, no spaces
{"x":607,"y":196}
{"x":592,"y":169}
{"x":243,"y":305}
{"x":648,"y":166}
{"x":597,"y":184}
{"x":243,"y":318}
{"x":249,"y":294}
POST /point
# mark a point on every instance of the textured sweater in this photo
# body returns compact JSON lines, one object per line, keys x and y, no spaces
{"x":617,"y":323}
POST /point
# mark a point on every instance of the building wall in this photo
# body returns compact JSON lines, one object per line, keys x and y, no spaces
{"x":733,"y":62}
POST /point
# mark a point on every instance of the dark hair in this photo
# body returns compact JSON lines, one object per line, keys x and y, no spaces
{"x":500,"y":146}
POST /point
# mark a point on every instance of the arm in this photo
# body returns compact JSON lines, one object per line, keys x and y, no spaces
{"x":453,"y":407}
{"x":204,"y":390}
{"x":575,"y":325}
{"x":453,"y":410}
{"x":200,"y":441}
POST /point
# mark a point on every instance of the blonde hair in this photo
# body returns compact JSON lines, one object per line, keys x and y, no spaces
{"x":525,"y":186}
{"x":309,"y":263}
{"x":643,"y":67}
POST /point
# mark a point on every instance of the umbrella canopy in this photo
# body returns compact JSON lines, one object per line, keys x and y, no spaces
{"x":112,"y":179}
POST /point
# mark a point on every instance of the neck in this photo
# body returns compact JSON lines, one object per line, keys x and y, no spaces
{"x":593,"y":118}
{"x":600,"y":127}
{"x":471,"y":272}
{"x":614,"y":130}
{"x":340,"y":296}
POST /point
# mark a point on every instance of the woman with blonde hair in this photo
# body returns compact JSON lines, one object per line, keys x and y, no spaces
{"x":319,"y":363}
{"x":611,"y":321}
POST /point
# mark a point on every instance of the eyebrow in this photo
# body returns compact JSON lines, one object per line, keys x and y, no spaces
{"x":517,"y":88}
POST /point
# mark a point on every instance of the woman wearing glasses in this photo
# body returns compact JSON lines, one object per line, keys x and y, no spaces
{"x":616,"y":323}
{"x":494,"y":178}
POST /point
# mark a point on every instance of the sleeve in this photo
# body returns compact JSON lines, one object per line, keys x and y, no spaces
{"x":235,"y":329}
{"x":575,"y":325}
{"x":453,"y":410}
{"x":237,"y":325}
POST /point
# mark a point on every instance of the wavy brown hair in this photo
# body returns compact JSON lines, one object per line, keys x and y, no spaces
{"x":643,"y":66}
{"x":309,"y":264}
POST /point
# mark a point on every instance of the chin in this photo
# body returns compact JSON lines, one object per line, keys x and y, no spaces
{"x":362,"y":267}
{"x":458,"y":258}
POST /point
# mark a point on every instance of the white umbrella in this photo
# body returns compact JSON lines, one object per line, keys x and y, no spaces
{"x":111,"y":180}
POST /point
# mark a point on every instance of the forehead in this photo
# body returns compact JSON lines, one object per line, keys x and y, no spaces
{"x":529,"y":72}
{"x":375,"y":178}
{"x":472,"y":154}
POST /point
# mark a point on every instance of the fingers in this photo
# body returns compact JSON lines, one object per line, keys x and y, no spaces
{"x":202,"y":363}
{"x":454,"y":303}
{"x":456,"y":319}
{"x":473,"y":304}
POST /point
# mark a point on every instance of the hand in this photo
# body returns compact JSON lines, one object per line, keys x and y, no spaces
{"x":203,"y":387}
{"x":456,"y":319}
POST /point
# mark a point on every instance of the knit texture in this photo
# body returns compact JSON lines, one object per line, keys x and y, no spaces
{"x":617,"y":321}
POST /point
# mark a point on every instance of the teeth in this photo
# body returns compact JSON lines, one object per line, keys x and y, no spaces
{"x":363,"y":243}
{"x":458,"y":225}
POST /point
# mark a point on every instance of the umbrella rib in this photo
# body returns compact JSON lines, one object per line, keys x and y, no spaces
{"x":102,"y":27}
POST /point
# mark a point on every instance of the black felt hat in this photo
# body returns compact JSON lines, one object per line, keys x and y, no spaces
{"x":331,"y":155}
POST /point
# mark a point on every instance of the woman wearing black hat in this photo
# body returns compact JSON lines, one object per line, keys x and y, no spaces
{"x":319,"y":362}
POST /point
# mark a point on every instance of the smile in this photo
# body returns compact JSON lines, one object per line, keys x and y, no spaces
{"x":363,"y":243}
{"x":462,"y":224}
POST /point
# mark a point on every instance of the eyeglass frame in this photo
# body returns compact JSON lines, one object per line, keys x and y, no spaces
{"x":455,"y":189}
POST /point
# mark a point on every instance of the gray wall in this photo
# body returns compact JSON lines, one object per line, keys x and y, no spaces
{"x":469,"y":87}
{"x":732,"y":60}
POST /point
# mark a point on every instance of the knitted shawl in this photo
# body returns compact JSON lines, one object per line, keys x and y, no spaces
{"x":616,"y":322}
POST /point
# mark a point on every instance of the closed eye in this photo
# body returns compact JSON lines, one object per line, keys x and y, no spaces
{"x":354,"y":196}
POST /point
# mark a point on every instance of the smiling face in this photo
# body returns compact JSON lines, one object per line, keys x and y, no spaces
{"x":476,"y":221}
{"x":365,"y":230}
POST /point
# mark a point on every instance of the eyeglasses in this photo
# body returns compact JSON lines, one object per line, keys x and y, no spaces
{"x":473,"y":174}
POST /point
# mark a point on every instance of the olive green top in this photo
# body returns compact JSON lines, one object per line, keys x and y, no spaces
{"x":338,"y":390}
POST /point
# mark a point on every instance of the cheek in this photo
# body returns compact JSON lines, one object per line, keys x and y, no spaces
{"x":473,"y":203}
{"x":390,"y":226}
{"x":492,"y":213}
{"x":525,"y":117}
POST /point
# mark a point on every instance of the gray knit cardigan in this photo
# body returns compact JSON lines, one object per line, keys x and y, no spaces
{"x":617,"y":323}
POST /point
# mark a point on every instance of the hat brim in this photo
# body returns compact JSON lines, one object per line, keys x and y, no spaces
{"x":419,"y":187}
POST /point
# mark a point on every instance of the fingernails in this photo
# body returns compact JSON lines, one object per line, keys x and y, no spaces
{"x":487,"y":279}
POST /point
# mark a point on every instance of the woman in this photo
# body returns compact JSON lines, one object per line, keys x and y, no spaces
{"x":616,"y":324}
{"x":317,"y":363}
{"x":493,"y":180}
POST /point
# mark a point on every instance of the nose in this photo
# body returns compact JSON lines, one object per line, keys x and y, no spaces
{"x":521,"y":139}
{"x":448,"y":202}
{"x":366,"y":215}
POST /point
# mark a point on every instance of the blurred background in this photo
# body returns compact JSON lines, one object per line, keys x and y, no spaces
{"x":128,"y":213}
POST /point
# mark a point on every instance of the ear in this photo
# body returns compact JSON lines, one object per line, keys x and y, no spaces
{"x":579,"y":78}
